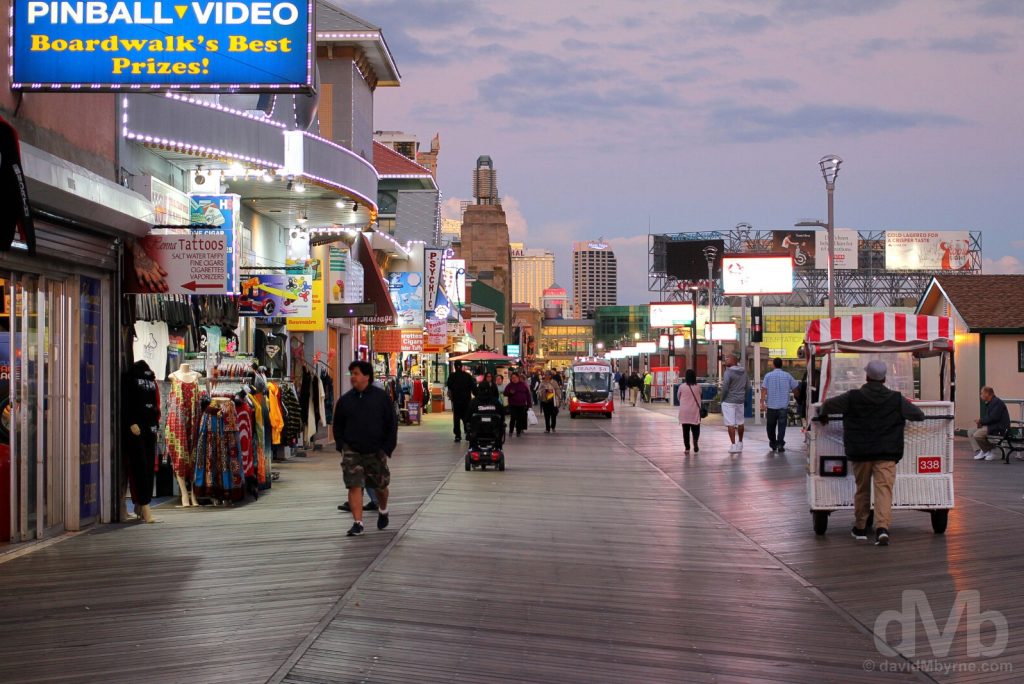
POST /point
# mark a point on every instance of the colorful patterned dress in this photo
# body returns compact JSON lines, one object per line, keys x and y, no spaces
{"x":218,"y":465}
{"x":182,"y":428}
{"x":245,"y":439}
{"x":259,"y":455}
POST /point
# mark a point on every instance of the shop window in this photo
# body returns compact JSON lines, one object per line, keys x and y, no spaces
{"x":1020,"y":357}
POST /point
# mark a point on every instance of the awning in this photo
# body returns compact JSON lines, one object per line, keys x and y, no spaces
{"x":375,"y":289}
{"x":880,"y":331}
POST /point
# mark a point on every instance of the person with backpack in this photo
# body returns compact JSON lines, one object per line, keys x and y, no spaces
{"x":550,"y":399}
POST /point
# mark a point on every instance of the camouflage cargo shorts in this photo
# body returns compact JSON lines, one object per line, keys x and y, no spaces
{"x":365,"y":470}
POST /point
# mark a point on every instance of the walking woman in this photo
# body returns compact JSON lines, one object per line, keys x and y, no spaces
{"x":689,"y":411}
{"x":550,"y":399}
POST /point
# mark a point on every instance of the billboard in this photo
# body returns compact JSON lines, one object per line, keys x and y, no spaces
{"x":799,"y":244}
{"x":455,"y":280}
{"x":721,"y":331}
{"x":406,"y":290}
{"x":685,"y":260}
{"x":757,"y":275}
{"x":927,"y":250}
{"x":317,"y":320}
{"x":671,"y":314}
{"x":244,"y":46}
{"x":847,"y":243}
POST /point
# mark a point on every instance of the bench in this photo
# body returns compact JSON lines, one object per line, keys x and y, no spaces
{"x":1010,"y":442}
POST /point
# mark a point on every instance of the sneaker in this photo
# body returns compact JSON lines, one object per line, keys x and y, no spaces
{"x":772,"y":446}
{"x":734,"y":448}
{"x":345,"y":507}
{"x":458,"y":439}
{"x":371,"y":506}
{"x":382,"y":521}
{"x":781,"y":450}
{"x":696,"y":448}
{"x":882,"y":537}
{"x":859,"y":534}
{"x":356,"y":530}
{"x":740,"y":446}
{"x":989,"y":456}
{"x":686,"y":451}
{"x":979,"y":455}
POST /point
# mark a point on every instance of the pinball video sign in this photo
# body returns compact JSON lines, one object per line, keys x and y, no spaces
{"x":204,"y":45}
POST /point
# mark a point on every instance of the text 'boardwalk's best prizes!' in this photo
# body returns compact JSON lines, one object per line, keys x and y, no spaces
{"x":99,"y":45}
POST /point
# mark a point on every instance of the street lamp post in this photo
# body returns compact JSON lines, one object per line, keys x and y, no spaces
{"x":710,"y":254}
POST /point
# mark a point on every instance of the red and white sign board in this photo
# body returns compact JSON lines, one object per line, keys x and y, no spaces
{"x":187,"y":264}
{"x":432,"y":273}
{"x":927,"y":465}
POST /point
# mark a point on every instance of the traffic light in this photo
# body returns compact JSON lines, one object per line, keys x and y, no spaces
{"x":756,"y":324}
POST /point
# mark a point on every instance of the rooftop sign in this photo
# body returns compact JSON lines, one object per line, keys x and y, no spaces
{"x":204,"y":45}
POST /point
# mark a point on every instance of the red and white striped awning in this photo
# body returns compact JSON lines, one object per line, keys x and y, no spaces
{"x":896,"y":331}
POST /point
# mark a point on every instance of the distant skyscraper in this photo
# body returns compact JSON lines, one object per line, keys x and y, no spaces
{"x":533,"y":270}
{"x":485,"y":182}
{"x":595,"y":277}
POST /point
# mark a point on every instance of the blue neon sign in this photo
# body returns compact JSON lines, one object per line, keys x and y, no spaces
{"x":201,"y":45}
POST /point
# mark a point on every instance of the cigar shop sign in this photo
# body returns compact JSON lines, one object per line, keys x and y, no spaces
{"x":201,"y":46}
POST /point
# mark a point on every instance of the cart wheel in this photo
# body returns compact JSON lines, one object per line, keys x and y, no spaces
{"x":483,"y":466}
{"x":820,"y":519}
{"x":469,"y":464}
{"x":608,"y":415}
{"x":939,"y":520}
{"x":501,"y":464}
{"x":573,"y":415}
{"x":870,"y":525}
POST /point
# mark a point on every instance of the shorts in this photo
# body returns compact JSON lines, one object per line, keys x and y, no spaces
{"x":732,"y":414}
{"x":365,"y":470}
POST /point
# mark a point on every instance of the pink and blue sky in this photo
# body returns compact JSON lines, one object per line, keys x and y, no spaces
{"x":606,"y":118}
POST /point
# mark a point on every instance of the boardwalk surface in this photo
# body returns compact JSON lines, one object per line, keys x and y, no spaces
{"x":600,"y":555}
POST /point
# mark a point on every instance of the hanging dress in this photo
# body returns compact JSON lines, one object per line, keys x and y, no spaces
{"x":244,"y":411}
{"x":183,"y":417}
{"x":218,"y":464}
{"x":259,"y":456}
{"x":276,"y":416}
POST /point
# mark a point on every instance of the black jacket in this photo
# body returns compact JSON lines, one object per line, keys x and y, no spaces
{"x":140,"y":398}
{"x":460,"y":387}
{"x":365,"y":422}
{"x":996,"y":417}
{"x":873,"y":419}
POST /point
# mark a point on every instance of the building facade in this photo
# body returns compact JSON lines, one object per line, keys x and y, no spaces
{"x":595,"y":277}
{"x":533,"y":270}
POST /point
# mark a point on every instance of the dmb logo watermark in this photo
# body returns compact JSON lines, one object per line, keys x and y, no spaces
{"x":965,"y":615}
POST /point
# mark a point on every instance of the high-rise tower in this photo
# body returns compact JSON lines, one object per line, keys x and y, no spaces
{"x":485,"y":181}
{"x":595,"y":277}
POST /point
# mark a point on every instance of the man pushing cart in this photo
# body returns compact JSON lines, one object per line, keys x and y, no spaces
{"x":860,"y":365}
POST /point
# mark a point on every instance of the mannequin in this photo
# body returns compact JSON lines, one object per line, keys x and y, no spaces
{"x":183,"y":416}
{"x":141,"y":411}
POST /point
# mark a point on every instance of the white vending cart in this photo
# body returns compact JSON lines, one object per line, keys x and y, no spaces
{"x":918,"y":352}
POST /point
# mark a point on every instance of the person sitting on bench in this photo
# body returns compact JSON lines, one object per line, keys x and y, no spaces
{"x":994,"y":422}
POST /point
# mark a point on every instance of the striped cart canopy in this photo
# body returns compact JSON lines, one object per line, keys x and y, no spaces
{"x":880,"y":332}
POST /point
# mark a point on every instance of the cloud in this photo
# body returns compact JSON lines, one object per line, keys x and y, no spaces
{"x":728,"y":23}
{"x":980,"y":44}
{"x":451,"y":208}
{"x":1004,"y":265}
{"x":1017,"y":244}
{"x":876,"y":45}
{"x":809,"y":10}
{"x":631,"y":255}
{"x":1002,"y":8}
{"x":762,"y":124}
{"x":517,"y":226}
{"x":774,"y":85}
{"x":400,"y":20}
{"x":540,"y":86}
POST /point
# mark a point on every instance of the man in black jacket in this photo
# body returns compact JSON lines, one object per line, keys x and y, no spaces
{"x":994,"y":421}
{"x":366,"y":433}
{"x":873,"y":420}
{"x":460,"y":390}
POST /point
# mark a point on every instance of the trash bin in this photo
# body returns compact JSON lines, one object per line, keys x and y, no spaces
{"x":436,"y":399}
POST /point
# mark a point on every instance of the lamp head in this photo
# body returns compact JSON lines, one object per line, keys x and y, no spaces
{"x":830,"y":168}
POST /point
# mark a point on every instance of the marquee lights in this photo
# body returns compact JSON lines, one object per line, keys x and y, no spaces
{"x":227,"y":110}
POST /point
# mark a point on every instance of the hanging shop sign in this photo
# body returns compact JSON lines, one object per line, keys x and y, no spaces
{"x":317,"y":320}
{"x":455,"y":280}
{"x":846,"y":244}
{"x":219,"y":211}
{"x":433,"y":265}
{"x":15,"y":212}
{"x":337,"y":261}
{"x":412,"y":340}
{"x":183,"y":262}
{"x":387,"y":341}
{"x":276,"y":295}
{"x":437,"y":332}
{"x":927,"y":251}
{"x":171,"y":207}
{"x":406,"y":290}
{"x":209,"y":45}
